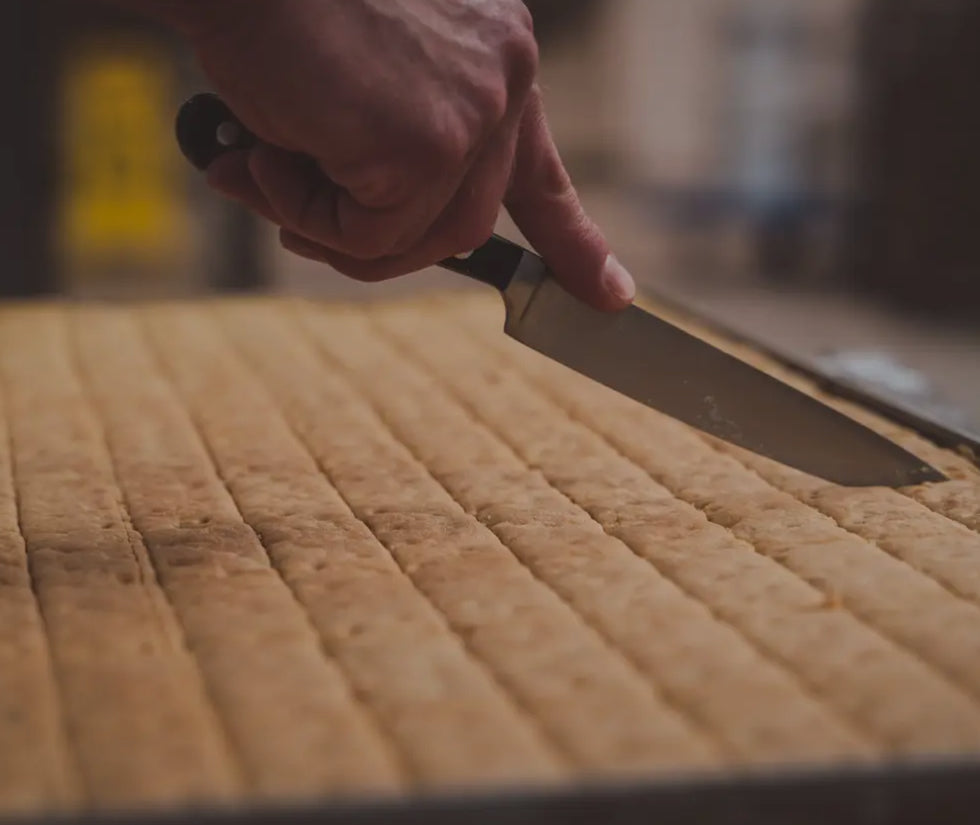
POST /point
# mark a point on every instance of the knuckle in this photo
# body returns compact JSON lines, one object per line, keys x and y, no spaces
{"x":552,"y":182}
{"x":521,"y":49}
{"x":380,"y":186}
{"x":449,"y":144}
{"x":522,"y":15}
{"x":491,"y":101}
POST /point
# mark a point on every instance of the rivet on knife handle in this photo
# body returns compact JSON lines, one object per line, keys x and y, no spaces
{"x":207,"y":129}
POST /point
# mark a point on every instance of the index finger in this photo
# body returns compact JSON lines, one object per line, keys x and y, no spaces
{"x":546,"y":208}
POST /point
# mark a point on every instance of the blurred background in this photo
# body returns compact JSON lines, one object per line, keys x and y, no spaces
{"x":801,"y":172}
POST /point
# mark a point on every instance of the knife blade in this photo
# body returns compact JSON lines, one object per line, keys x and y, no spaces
{"x":638,"y":354}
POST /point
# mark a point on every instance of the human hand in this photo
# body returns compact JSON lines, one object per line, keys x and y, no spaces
{"x":392,"y":132}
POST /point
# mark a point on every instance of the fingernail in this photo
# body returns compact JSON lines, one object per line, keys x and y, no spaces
{"x":617,"y":281}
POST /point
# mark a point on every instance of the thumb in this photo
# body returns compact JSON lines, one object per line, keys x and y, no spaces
{"x":547,"y":210}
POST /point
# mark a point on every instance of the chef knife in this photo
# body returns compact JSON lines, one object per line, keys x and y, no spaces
{"x":637,"y":353}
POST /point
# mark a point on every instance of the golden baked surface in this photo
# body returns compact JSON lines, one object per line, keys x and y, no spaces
{"x":260,"y":550}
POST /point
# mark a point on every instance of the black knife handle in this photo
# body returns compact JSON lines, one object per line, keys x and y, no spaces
{"x":207,"y":129}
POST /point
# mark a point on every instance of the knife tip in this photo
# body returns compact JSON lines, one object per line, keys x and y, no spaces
{"x":926,"y":475}
{"x":907,"y":476}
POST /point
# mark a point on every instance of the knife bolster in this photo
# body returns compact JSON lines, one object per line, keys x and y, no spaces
{"x":493,"y":264}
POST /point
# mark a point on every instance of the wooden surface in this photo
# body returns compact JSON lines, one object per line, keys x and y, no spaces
{"x":276,"y":550}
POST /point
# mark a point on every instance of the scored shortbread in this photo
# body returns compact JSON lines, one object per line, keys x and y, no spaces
{"x":274,"y":550}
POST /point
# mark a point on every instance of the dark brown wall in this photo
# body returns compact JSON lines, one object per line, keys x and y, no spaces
{"x":919,"y":239}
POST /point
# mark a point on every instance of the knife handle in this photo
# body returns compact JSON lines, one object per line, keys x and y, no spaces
{"x":207,"y":129}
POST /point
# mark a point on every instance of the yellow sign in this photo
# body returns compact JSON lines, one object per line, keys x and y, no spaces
{"x":123,"y":194}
